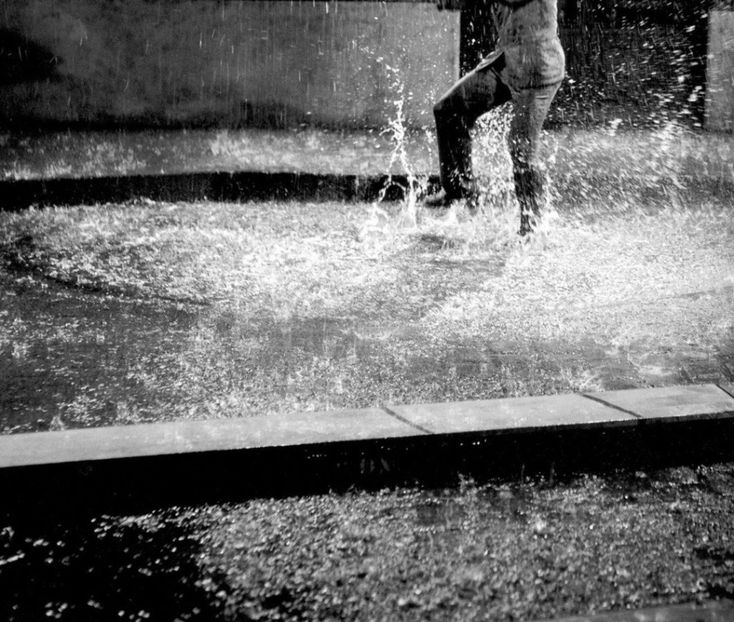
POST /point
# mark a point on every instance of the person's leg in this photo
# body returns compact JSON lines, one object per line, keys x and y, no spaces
{"x":456,"y":113}
{"x":531,"y":109}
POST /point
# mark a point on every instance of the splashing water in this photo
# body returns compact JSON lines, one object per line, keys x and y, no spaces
{"x":492,"y":160}
{"x":492,"y":227}
{"x":397,"y":131}
{"x":381,"y":222}
{"x":667,"y":162}
{"x":600,"y":170}
{"x":456,"y":227}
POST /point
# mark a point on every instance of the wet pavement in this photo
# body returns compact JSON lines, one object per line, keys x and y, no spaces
{"x":154,"y":312}
{"x":87,"y":359}
{"x":324,"y":309}
{"x":66,"y":350}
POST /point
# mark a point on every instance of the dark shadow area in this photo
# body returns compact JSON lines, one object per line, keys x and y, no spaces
{"x":22,"y":60}
{"x":246,"y":185}
{"x":101,"y":569}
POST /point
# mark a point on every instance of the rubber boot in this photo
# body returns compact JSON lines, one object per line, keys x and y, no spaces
{"x":529,"y":188}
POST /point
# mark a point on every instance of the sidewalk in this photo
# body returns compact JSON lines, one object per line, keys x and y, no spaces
{"x":69,"y":168}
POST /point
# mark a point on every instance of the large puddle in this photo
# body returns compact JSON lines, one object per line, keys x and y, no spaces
{"x":76,"y":359}
{"x":227,"y":310}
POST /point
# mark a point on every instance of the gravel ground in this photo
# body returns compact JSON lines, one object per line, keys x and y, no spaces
{"x":497,"y":551}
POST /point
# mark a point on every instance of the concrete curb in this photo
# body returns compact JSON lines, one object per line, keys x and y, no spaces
{"x":214,"y":186}
{"x":280,"y":186}
{"x":508,"y":416}
{"x":139,"y":466}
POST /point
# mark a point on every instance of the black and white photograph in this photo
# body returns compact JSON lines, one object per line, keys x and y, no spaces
{"x":367,"y":310}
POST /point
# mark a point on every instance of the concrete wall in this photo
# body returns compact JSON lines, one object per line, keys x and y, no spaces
{"x":720,"y":72}
{"x":224,"y":62}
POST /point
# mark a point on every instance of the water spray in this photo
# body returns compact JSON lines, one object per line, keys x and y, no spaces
{"x":398,"y":133}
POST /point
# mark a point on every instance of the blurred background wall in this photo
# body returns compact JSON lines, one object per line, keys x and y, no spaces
{"x":223,"y":62}
{"x":342,"y":63}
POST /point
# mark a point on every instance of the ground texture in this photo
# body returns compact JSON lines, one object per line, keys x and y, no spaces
{"x":504,"y":551}
{"x":125,"y":313}
{"x":150,"y":311}
{"x":128,"y":313}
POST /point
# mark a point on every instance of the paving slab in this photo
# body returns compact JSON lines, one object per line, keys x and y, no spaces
{"x":717,"y":611}
{"x":512,"y":414}
{"x":159,"y":439}
{"x":691,"y":402}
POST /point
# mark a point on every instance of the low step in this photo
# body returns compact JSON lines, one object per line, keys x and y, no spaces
{"x":124,"y":468}
{"x":550,"y":413}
